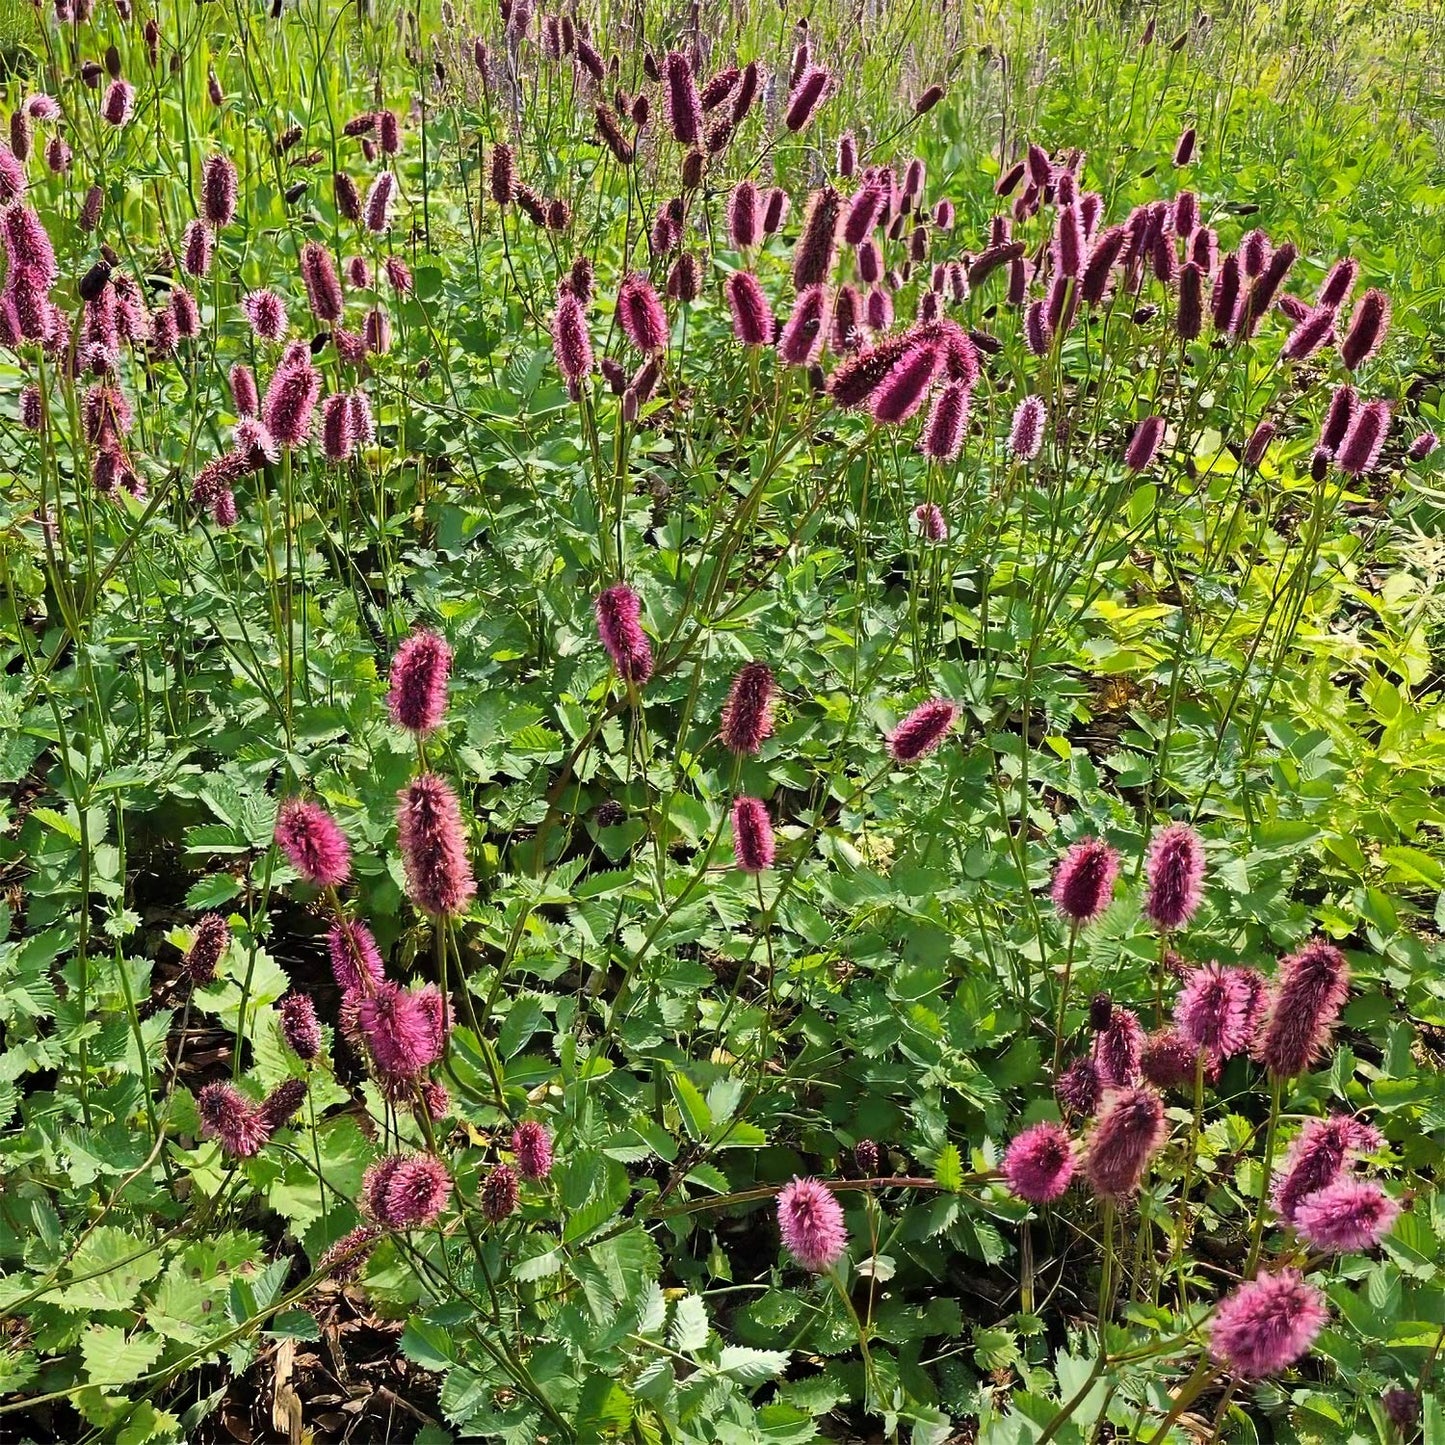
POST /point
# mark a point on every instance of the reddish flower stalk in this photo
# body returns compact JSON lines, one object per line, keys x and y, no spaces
{"x":433,"y":846}
{"x":747,"y":717}
{"x":1308,"y":995}
{"x":753,"y":845}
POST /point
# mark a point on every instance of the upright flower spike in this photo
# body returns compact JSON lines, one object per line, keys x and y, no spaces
{"x":1145,"y":443}
{"x":947,"y":423}
{"x":532,"y":1147}
{"x":619,"y":625}
{"x":801,"y":341}
{"x":752,"y":317}
{"x":810,"y":1221}
{"x":1266,"y":1324}
{"x":1368,"y":324}
{"x":1174,"y":875}
{"x":313,"y":843}
{"x":753,"y":845}
{"x":230,"y":1118}
{"x":905,"y":387}
{"x":1308,"y":995}
{"x":1346,"y":1217}
{"x":744,"y":216}
{"x":323,"y":286}
{"x":1083,"y":886}
{"x":1219,"y":1008}
{"x":417,"y":698}
{"x":1364,"y":440}
{"x":406,"y":1191}
{"x":1078,"y":1088}
{"x":355,"y":959}
{"x":1318,"y":1156}
{"x":290,"y":403}
{"x":817,"y":245}
{"x":434,"y":846}
{"x":404,"y":1029}
{"x":747,"y":717}
{"x":681,"y":100}
{"x":1127,"y":1134}
{"x":640,"y":314}
{"x":923,"y":731}
{"x":1119,"y":1049}
{"x":208,"y":946}
{"x":1039,"y":1163}
{"x":299,"y":1026}
{"x":1026,"y":435}
{"x":499,"y":1194}
{"x":805,"y":97}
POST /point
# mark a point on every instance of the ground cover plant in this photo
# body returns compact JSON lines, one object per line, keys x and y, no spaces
{"x":721,"y":724}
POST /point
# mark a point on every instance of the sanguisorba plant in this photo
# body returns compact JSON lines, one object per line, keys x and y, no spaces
{"x":779,"y":310}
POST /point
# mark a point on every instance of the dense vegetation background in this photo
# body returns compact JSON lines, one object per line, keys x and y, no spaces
{"x":1142,"y":619}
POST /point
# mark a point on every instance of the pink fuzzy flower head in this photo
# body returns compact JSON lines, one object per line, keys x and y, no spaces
{"x":313,"y":844}
{"x":640,"y":313}
{"x":1317,"y":1158}
{"x":752,"y":317}
{"x":406,"y":1191}
{"x":1119,"y":1048}
{"x":1308,"y":995}
{"x":1175,"y":877}
{"x":923,"y":730}
{"x":805,"y":96}
{"x":1144,"y":443}
{"x":802,"y":336}
{"x":197,"y":249}
{"x":229,"y":1117}
{"x":943,"y":434}
{"x":817,"y":245}
{"x":208,"y":946}
{"x":323,"y":286}
{"x":279,"y":1107}
{"x":753,"y":846}
{"x":863,"y":212}
{"x":1368,"y":324}
{"x":1083,"y":886}
{"x":930,"y":523}
{"x":1338,"y":416}
{"x":1258,"y":444}
{"x":299,"y":1026}
{"x":404,"y":1029}
{"x":244,"y":395}
{"x":218,"y":191}
{"x":417,"y":699}
{"x":118,"y":104}
{"x":1039,"y":1163}
{"x":377,"y":212}
{"x":810,"y":1221}
{"x":1339,"y":283}
{"x":619,"y":625}
{"x":1360,"y":448}
{"x":338,"y":430}
{"x":1423,"y":445}
{"x":744,"y":216}
{"x":267,"y":314}
{"x":847,"y":155}
{"x":1267,"y":1324}
{"x":355,"y":959}
{"x":345,"y":1259}
{"x":291,"y":401}
{"x":681,"y":100}
{"x":1346,"y":1217}
{"x":1078,"y":1086}
{"x":1168,"y":1060}
{"x":747,"y":717}
{"x":434,"y":846}
{"x":1026,"y":437}
{"x":1218,"y":1008}
{"x":903,"y":390}
{"x":499,"y":1194}
{"x":571,"y":346}
{"x":1128,"y":1133}
{"x":532,"y":1146}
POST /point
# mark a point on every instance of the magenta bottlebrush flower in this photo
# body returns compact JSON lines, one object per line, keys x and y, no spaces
{"x":753,"y":846}
{"x":118,"y":104}
{"x":1339,"y":415}
{"x":1026,"y":436}
{"x":42,"y":107}
{"x":640,"y":313}
{"x":1038,"y":336}
{"x":932,"y":526}
{"x":532,"y":1145}
{"x":752,"y":317}
{"x":255,"y":443}
{"x":1168,"y":1059}
{"x":1339,"y":283}
{"x":184,"y":313}
{"x":1311,"y":335}
{"x":1069,"y":241}
{"x":1218,"y":1008}
{"x":802,"y":336}
{"x":870,"y":262}
{"x":1266,"y":287}
{"x":229,"y":1117}
{"x":375,"y":331}
{"x":406,"y":1191}
{"x":338,"y":429}
{"x":243,"y":390}
{"x":863,"y":212}
{"x":1258,"y":444}
{"x":805,"y":95}
{"x":398,"y":274}
{"x":775,"y":210}
{"x":1128,"y":1133}
{"x":1144,"y":443}
{"x":845,"y":335}
{"x":1224,"y":302}
{"x":1317,"y":1158}
{"x":58,"y":154}
{"x":1360,"y":448}
{"x":12,"y":176}
{"x":280,"y":1105}
{"x":747,"y":716}
{"x":291,"y":401}
{"x":1308,"y":995}
{"x":744,"y":216}
{"x":904,"y":388}
{"x":323,"y":286}
{"x":1119,"y":1048}
{"x":32,"y":410}
{"x":681,"y":100}
{"x":1347,"y":1216}
{"x":433,"y":846}
{"x":817,"y":245}
{"x":28,"y":248}
{"x":1078,"y":1087}
{"x":810,"y":1221}
{"x":1185,"y":215}
{"x":355,"y":959}
{"x":1039,"y":1163}
{"x":1184,"y":150}
{"x":417,"y":698}
{"x":619,"y":625}
{"x":922,"y":731}
{"x":571,"y":345}
{"x":1266,"y":1324}
{"x":847,"y":155}
{"x":1103,"y":257}
{"x":1175,"y":877}
{"x":299,"y":1026}
{"x":212,"y":938}
{"x":218,"y":190}
{"x":1254,"y":253}
{"x":344,"y":1260}
{"x":377,"y":212}
{"x":313,"y":844}
{"x":878,"y":309}
{"x":404,"y":1030}
{"x":1083,"y":886}
{"x":1423,"y":445}
{"x":196,"y":244}
{"x":1368,"y":324}
{"x":947,"y":422}
{"x":267,"y":314}
{"x":499,"y":1193}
